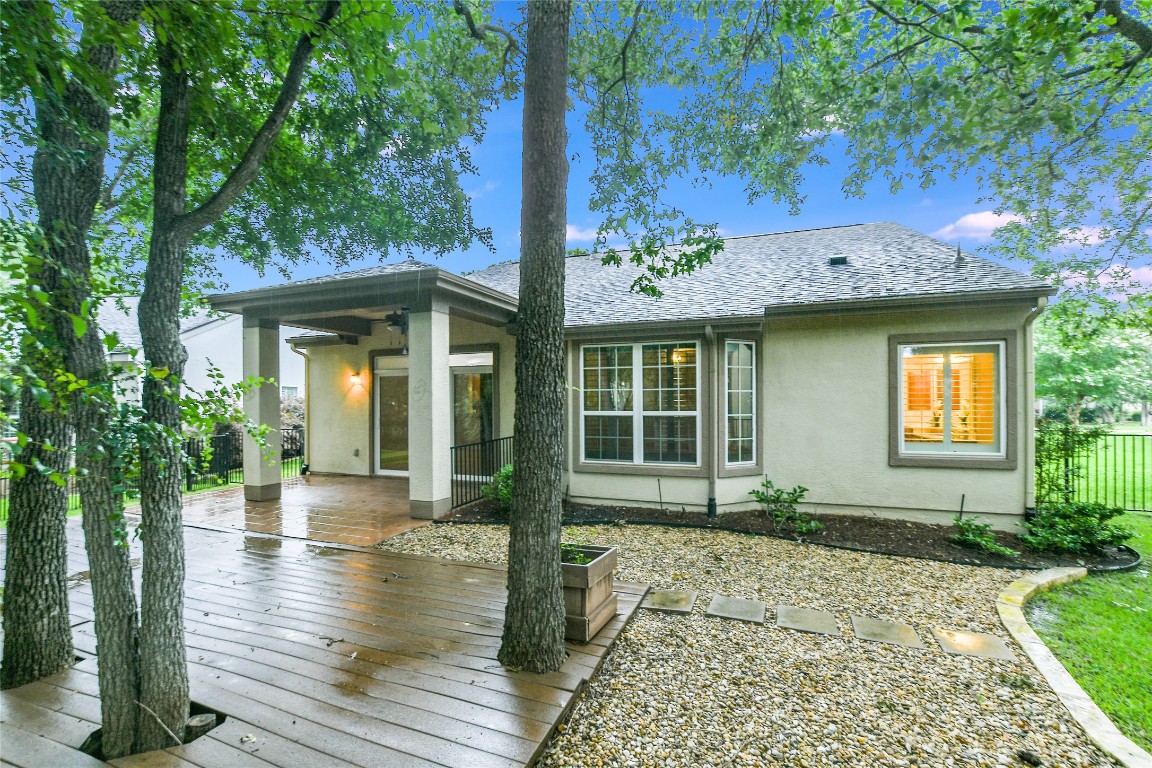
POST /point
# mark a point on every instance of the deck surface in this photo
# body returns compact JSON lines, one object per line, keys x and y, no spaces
{"x":325,"y":655}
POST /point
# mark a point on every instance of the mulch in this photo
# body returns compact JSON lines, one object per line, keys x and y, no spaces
{"x":866,"y":534}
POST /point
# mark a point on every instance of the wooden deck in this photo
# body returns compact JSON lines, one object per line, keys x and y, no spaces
{"x":327,"y":655}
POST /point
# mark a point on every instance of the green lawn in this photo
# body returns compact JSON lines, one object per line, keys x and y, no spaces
{"x":1101,"y":629}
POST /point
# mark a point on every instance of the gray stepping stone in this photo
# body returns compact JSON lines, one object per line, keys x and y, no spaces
{"x":806,"y":620}
{"x":670,"y":600}
{"x":960,"y":643}
{"x":737,"y":608}
{"x":880,"y":631}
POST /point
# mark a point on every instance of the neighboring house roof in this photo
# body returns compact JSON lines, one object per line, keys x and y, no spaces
{"x":119,"y":315}
{"x":758,"y":274}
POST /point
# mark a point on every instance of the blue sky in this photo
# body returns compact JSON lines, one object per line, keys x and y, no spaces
{"x":950,"y":210}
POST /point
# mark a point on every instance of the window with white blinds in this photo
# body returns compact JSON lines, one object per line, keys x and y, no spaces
{"x":740,"y":401}
{"x":952,"y":398}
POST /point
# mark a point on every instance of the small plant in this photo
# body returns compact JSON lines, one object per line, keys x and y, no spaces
{"x":500,"y":489}
{"x":979,"y":536}
{"x":571,"y":553}
{"x":1074,"y":526}
{"x":779,"y":506}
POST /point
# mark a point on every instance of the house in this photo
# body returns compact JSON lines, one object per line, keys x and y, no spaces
{"x":886,"y":371}
{"x":211,"y":339}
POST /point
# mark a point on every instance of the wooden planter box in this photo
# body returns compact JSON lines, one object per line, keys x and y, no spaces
{"x":589,"y":601}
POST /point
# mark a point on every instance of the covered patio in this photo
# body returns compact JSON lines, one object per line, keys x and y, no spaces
{"x":404,"y":363}
{"x":340,"y":509}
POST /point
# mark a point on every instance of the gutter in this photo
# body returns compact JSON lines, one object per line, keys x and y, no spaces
{"x":897,"y":303}
{"x":307,"y":407}
{"x":713,"y":422}
{"x":1029,"y":409}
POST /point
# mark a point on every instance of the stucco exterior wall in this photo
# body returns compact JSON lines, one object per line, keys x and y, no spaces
{"x":340,"y":429}
{"x":824,"y":404}
{"x":220,"y":343}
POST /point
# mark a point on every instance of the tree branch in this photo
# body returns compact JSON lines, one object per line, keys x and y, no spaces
{"x":623,"y":78}
{"x":1129,"y":26}
{"x":479,"y":31}
{"x":243,"y":174}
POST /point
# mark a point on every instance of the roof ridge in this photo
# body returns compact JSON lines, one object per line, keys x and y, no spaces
{"x":509,"y":262}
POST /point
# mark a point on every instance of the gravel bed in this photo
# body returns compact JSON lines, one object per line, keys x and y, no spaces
{"x":698,"y":691}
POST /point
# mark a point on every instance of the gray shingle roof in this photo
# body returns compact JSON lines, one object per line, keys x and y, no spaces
{"x":885,"y":261}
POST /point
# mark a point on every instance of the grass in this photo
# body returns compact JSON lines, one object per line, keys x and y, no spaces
{"x":1100,"y":627}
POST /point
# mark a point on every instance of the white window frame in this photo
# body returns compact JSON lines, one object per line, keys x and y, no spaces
{"x":727,"y":394}
{"x":946,"y":448}
{"x":637,"y":411}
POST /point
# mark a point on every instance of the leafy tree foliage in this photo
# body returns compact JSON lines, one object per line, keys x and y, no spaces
{"x":1084,"y":357}
{"x":204,"y":99}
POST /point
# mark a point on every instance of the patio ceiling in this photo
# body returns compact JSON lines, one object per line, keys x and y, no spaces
{"x":347,"y":305}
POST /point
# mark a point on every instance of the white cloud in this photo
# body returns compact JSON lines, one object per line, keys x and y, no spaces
{"x":575,"y":234}
{"x":489,"y":186}
{"x":975,"y":226}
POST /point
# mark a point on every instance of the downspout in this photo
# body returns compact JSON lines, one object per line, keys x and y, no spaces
{"x":307,"y":407}
{"x":713,"y":422}
{"x":1029,"y":410}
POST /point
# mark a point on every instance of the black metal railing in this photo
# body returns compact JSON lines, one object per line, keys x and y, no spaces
{"x":212,"y":462}
{"x":473,"y":466}
{"x":1114,"y":469}
{"x":292,"y":452}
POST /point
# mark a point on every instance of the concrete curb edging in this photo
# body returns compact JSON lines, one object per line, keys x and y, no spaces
{"x":1100,"y":730}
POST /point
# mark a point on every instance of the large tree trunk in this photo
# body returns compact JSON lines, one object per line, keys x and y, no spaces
{"x":67,"y":174}
{"x":37,"y":635}
{"x":164,"y":666}
{"x":534,"y":619}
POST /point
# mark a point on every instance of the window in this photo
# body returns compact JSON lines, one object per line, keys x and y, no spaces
{"x":740,"y":401}
{"x":952,"y":399}
{"x":650,"y":418}
{"x":290,"y":391}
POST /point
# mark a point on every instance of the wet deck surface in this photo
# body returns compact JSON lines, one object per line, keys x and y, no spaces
{"x":334,"y":508}
{"x":325,"y":655}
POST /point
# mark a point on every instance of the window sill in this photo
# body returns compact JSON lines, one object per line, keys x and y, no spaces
{"x":650,"y":470}
{"x":952,"y":461}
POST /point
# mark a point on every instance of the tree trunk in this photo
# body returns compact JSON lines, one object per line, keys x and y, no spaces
{"x":37,"y":635}
{"x":67,"y":174}
{"x":534,"y":619}
{"x":164,"y":665}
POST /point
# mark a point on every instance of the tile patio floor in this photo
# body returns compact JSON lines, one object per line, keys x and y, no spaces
{"x":334,"y":508}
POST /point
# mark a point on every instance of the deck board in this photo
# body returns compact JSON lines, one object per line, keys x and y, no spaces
{"x":333,"y":655}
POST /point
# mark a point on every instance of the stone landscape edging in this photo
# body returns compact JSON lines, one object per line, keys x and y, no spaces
{"x":1100,"y":730}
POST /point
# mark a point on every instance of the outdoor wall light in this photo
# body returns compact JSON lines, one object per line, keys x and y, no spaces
{"x":356,"y":379}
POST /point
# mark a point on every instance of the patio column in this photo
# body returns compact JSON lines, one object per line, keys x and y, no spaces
{"x":429,"y":414}
{"x":262,"y":405}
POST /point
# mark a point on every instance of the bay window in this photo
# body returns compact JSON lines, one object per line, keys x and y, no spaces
{"x":740,"y":402}
{"x":640,"y":403}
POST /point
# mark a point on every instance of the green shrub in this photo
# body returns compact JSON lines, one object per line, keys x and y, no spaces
{"x":1074,"y":526}
{"x":1060,"y":453}
{"x":779,"y":506}
{"x":500,"y":489}
{"x":979,"y":536}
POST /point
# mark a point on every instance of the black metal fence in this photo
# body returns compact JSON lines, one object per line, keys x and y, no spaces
{"x":1114,"y":469}
{"x":473,"y":466}
{"x":211,"y":462}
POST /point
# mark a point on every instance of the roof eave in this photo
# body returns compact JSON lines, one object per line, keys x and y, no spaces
{"x":918,"y":301}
